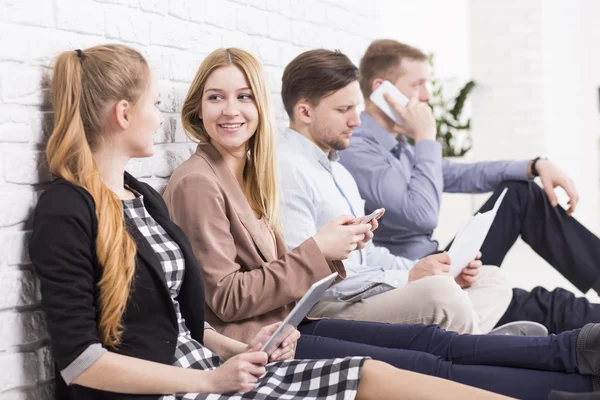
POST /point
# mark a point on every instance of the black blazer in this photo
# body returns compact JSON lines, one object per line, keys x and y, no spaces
{"x":62,"y":249}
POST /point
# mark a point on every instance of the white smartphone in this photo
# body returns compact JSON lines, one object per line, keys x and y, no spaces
{"x":377,"y":98}
{"x":369,"y":217}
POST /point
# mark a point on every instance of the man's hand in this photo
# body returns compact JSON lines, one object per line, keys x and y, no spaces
{"x":551,"y":177}
{"x":374,"y":225}
{"x":435,"y":264}
{"x":339,"y":237}
{"x":419,"y":123}
{"x":468,"y":275}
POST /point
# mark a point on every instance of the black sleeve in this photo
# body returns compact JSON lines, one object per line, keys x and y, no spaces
{"x":63,"y":255}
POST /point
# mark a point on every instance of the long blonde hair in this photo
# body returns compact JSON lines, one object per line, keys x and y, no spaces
{"x":260,"y":170}
{"x":83,"y":83}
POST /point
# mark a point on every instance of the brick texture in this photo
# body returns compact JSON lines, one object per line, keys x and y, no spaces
{"x":175,"y":36}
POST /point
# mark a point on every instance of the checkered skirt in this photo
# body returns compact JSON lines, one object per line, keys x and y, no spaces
{"x":292,"y":379}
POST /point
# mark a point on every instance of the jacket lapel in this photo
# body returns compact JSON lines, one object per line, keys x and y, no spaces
{"x":259,"y":235}
{"x":144,"y":249}
{"x":160,"y":213}
{"x":191,"y":295}
{"x":146,"y":254}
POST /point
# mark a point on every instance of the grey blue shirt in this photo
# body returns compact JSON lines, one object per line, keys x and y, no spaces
{"x":315,"y":189}
{"x":409,"y":180}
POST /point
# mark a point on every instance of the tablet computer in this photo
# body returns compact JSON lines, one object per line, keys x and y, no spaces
{"x":310,"y":298}
{"x":470,"y":238}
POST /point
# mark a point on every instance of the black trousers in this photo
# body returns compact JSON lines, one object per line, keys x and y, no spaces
{"x":516,"y":366}
{"x":559,"y":239}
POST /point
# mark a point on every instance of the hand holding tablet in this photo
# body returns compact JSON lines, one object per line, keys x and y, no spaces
{"x":470,"y":238}
{"x":286,"y":349}
{"x":289,"y":324}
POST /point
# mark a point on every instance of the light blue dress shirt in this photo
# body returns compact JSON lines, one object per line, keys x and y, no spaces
{"x":409,"y":180}
{"x":315,"y":189}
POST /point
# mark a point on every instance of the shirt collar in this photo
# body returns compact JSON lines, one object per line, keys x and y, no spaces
{"x":370,"y":127}
{"x":310,"y":149}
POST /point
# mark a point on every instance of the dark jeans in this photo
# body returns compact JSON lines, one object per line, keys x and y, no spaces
{"x":563,"y":242}
{"x":521,"y":367}
{"x":559,"y":239}
{"x":558,"y":310}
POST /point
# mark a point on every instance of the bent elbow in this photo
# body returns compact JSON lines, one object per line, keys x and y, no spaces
{"x":227,"y":317}
{"x":224,"y":308}
{"x":429,"y":224}
{"x":424,"y":220}
{"x":424,"y":225}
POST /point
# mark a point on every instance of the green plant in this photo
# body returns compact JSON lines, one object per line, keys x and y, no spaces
{"x":453,"y":132}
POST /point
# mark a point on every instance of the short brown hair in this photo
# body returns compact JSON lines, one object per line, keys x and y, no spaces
{"x":382,"y":59}
{"x":314,"y":75}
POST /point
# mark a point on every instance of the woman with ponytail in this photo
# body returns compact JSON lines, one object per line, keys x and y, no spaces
{"x":121,"y":287}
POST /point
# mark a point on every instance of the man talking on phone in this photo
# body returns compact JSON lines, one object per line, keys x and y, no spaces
{"x":408,"y":181}
{"x":321,"y":95}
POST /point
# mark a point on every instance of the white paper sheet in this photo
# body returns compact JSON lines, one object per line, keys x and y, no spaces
{"x":470,"y":237}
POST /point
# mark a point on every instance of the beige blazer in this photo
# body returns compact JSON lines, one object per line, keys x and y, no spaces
{"x":249,"y":282}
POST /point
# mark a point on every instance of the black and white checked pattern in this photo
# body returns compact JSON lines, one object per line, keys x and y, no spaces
{"x":307,"y":379}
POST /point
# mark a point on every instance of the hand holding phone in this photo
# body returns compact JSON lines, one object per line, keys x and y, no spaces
{"x":375,"y":214}
{"x":378,"y":97}
{"x":413,"y":117}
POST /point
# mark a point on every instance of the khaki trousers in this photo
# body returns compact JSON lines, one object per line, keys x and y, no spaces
{"x":433,"y":300}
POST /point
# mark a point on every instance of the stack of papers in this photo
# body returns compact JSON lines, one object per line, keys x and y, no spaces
{"x":470,"y":237}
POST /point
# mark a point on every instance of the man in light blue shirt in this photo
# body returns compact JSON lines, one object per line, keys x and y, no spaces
{"x":316,"y":189}
{"x":408,"y":180}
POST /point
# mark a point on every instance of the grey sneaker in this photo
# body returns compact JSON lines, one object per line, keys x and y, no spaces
{"x":520,"y":328}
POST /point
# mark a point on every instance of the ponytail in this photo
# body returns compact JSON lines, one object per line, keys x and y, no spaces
{"x":77,"y":118}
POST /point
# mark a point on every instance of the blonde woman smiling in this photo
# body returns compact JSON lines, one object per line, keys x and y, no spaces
{"x":224,"y":197}
{"x":121,"y":288}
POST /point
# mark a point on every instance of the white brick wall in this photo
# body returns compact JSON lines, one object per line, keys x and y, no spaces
{"x":507,"y":48}
{"x":175,"y":35}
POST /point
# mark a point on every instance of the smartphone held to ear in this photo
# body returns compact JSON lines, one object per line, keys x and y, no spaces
{"x":374,"y":214}
{"x":378,"y":99}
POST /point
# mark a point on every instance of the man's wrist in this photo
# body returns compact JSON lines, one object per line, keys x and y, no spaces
{"x":529,"y":173}
{"x":533,"y":166}
{"x":425,"y":136}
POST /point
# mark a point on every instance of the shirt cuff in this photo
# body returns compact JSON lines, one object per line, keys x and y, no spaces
{"x":428,"y":150}
{"x":396,"y":278}
{"x":207,"y":326}
{"x":83,"y":362}
{"x":517,"y":171}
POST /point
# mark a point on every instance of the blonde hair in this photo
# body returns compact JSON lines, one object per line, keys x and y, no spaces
{"x":83,"y":83}
{"x":260,"y":170}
